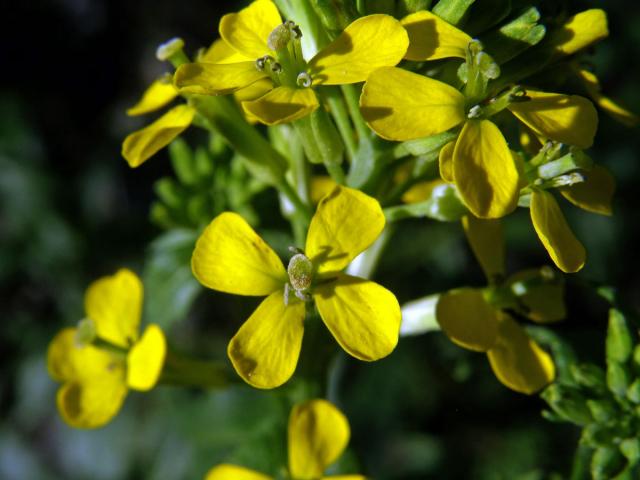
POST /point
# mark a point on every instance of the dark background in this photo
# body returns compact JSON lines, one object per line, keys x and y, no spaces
{"x":71,"y":210}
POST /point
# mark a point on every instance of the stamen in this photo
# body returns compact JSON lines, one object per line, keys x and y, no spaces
{"x":279,"y":37}
{"x":276,"y":67}
{"x":304,"y":80}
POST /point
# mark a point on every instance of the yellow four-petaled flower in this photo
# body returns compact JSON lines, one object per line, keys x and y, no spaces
{"x":98,"y":372}
{"x":363,"y":316}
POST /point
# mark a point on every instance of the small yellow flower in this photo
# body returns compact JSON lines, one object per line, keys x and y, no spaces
{"x":318,"y":434}
{"x":361,"y":315}
{"x":142,"y":144}
{"x":471,"y":322}
{"x":104,"y":357}
{"x":400,"y":105}
{"x":267,"y":48}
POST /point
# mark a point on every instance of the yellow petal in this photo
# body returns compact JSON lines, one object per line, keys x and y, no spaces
{"x":346,"y":222}
{"x":139,"y":146}
{"x":363,"y":316}
{"x":595,"y":194}
{"x":366,"y":44}
{"x":569,"y":119}
{"x":231,"y":257}
{"x":321,"y":185}
{"x":318,"y":434}
{"x":254,"y":91}
{"x":159,"y":93}
{"x":69,"y":360}
{"x":484,"y":170}
{"x":401,"y":105}
{"x":467,"y":319}
{"x":282,"y":104}
{"x":446,"y":162}
{"x":114,"y":303}
{"x":564,"y":248}
{"x":248,"y":30}
{"x":146,"y":358}
{"x":518,"y":361}
{"x":216,"y":79}
{"x":613,"y":108}
{"x":580,"y":31}
{"x":543,"y":301}
{"x":265,"y":350}
{"x":432,"y":38}
{"x":487,"y":242}
{"x":221,"y":52}
{"x":91,"y":404}
{"x":233,"y":472}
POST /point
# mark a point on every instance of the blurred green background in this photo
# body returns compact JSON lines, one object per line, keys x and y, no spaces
{"x":71,"y":210}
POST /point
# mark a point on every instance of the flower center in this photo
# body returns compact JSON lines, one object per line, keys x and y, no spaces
{"x":300,"y":272}
{"x":289,"y":67}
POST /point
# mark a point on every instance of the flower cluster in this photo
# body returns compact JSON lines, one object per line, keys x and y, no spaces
{"x":411,"y":117}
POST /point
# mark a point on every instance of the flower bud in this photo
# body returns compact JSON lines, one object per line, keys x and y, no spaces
{"x":619,"y":343}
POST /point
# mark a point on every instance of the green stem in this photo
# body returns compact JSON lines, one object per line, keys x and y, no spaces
{"x":180,"y":370}
{"x":352,"y":95}
{"x":341,"y":116}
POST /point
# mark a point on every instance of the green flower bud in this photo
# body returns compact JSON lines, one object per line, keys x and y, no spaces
{"x":619,"y":343}
{"x":597,"y":435}
{"x":630,"y":448}
{"x":590,"y":376}
{"x":633,"y":392}
{"x":568,"y":402}
{"x":618,"y":378}
{"x":602,"y":411}
{"x":606,"y":463}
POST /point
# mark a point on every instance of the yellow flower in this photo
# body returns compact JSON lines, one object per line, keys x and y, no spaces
{"x":142,"y":144}
{"x":361,"y":315}
{"x":267,"y":48}
{"x":401,"y":105}
{"x":104,"y":357}
{"x":471,"y":322}
{"x":318,"y":434}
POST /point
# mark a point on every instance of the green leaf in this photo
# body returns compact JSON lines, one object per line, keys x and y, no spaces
{"x":619,"y":344}
{"x":453,"y":11}
{"x":515,"y":37}
{"x":606,"y":463}
{"x":170,"y":287}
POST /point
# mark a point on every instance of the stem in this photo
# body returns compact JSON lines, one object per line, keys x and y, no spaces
{"x":352,"y":95}
{"x":179,"y":370}
{"x":341,"y":116}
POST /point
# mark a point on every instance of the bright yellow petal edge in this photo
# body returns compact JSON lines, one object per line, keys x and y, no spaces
{"x":233,"y":472}
{"x":146,"y":359}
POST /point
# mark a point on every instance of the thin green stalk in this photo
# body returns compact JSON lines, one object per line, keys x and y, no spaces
{"x":352,"y":95}
{"x":340,"y":114}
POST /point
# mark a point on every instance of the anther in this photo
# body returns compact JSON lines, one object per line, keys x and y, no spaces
{"x":300,"y":270}
{"x":279,"y":37}
{"x":304,"y":79}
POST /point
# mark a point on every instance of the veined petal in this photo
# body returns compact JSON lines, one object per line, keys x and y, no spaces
{"x":159,"y":93}
{"x":114,"y":303}
{"x":146,"y":358}
{"x":580,"y":31}
{"x":432,"y":38}
{"x":255,"y":90}
{"x":595,"y":194}
{"x":67,"y":360}
{"x":231,"y":257}
{"x":282,"y":104}
{"x":318,"y":434}
{"x":91,"y":404}
{"x":564,"y":248}
{"x":401,"y":105}
{"x":139,"y":146}
{"x":233,"y":472}
{"x":484,"y":170}
{"x":544,"y":301}
{"x":265,"y":350}
{"x":614,"y":109}
{"x":568,"y":119}
{"x":346,"y":222}
{"x":216,"y":79}
{"x":487,"y":242}
{"x":467,"y":319}
{"x":362,"y":316}
{"x":366,"y":44}
{"x":221,"y":52}
{"x":248,"y":30}
{"x":518,"y":361}
{"x":445,"y":160}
